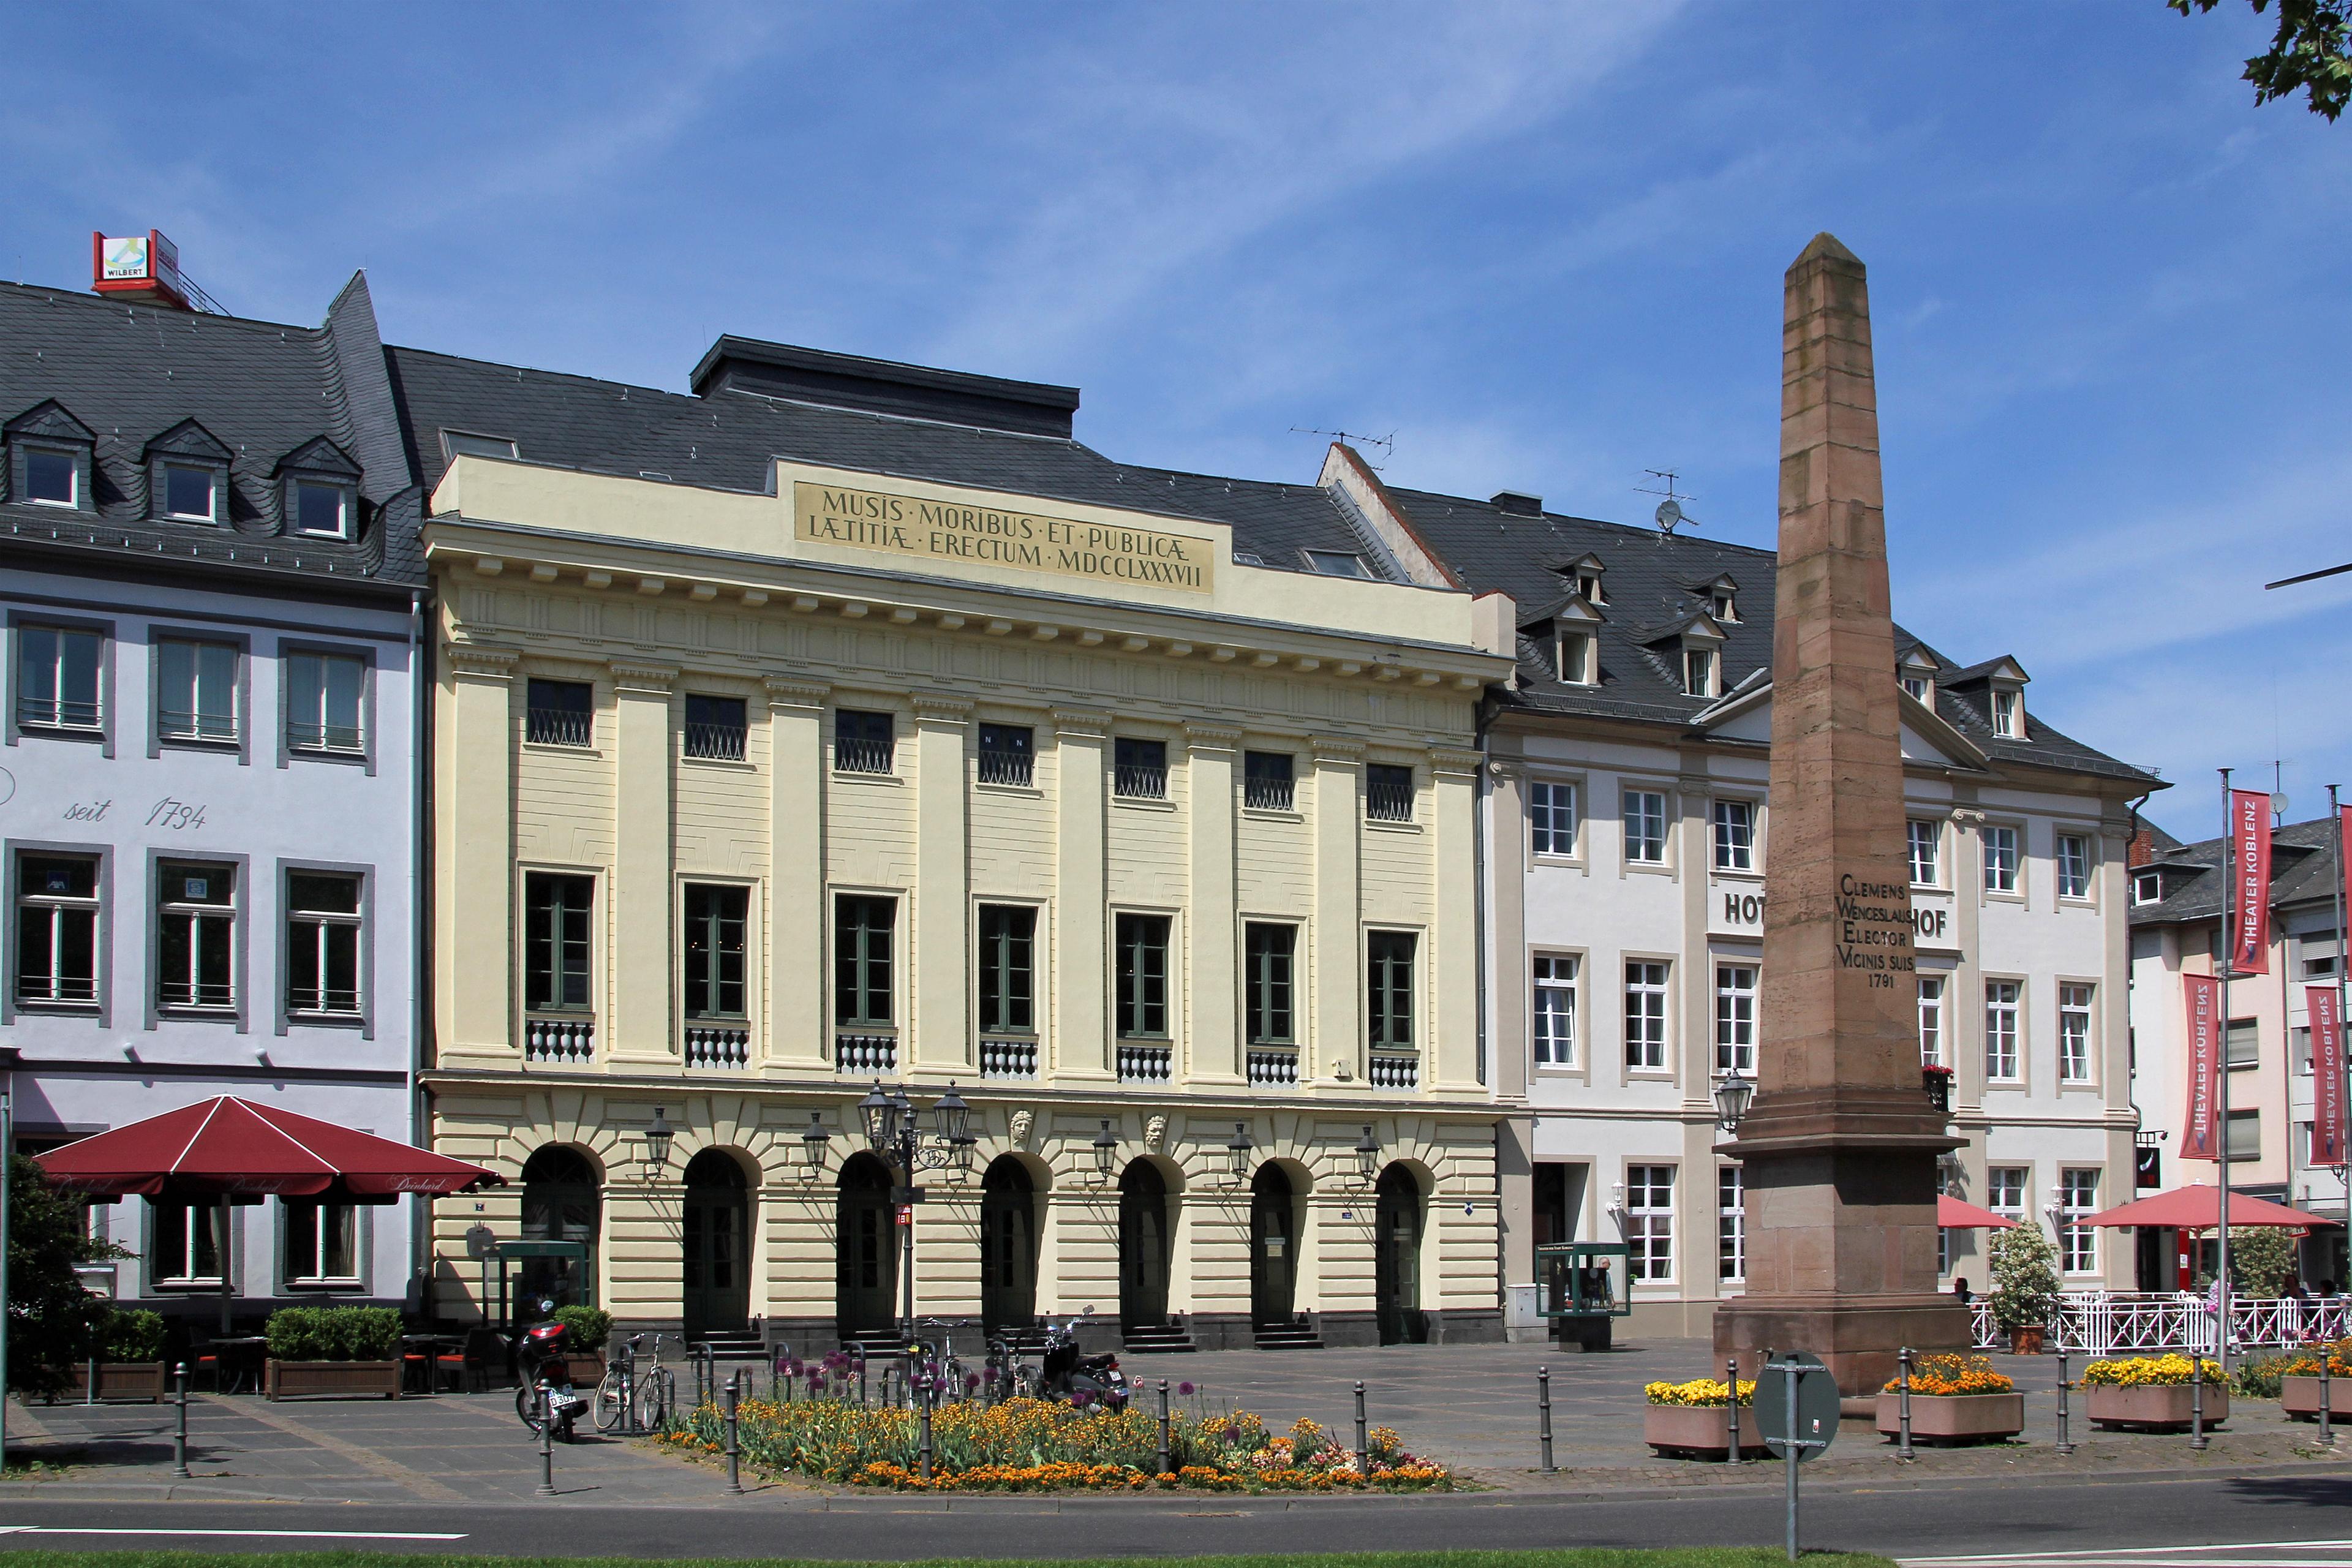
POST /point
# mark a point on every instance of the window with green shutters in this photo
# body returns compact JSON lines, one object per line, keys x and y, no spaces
{"x":862,"y":931}
{"x":714,"y":949}
{"x":1388,"y":989}
{"x":1269,"y":953}
{"x":1143,"y":977}
{"x":1007,"y":969}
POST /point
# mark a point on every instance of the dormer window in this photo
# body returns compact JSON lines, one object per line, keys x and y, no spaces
{"x":2009,"y":714}
{"x":1574,"y":658}
{"x":49,"y":478}
{"x":1699,"y":671}
{"x":1337,"y":563}
{"x":51,"y":457}
{"x":187,"y":475}
{"x":1918,"y":688}
{"x":1589,"y":584}
{"x":2147,"y":888}
{"x":1724,"y":606}
{"x":318,"y":490}
{"x":321,"y":510}
{"x":188,"y":493}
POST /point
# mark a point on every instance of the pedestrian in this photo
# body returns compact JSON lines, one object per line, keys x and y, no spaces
{"x":1961,"y":1289}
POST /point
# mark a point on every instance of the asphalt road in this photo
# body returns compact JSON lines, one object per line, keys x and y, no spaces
{"x":2029,"y":1519}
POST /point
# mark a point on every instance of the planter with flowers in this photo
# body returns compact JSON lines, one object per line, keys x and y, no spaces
{"x":1688,"y":1420}
{"x":2153,"y":1393}
{"x":2298,"y":1378}
{"x":1955,"y":1399}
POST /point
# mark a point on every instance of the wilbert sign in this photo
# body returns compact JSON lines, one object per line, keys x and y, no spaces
{"x":950,"y":532}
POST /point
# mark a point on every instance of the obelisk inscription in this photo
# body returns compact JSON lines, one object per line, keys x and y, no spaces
{"x":1838,"y":1147}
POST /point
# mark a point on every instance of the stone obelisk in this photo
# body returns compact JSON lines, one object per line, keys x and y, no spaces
{"x":1839,"y":1147}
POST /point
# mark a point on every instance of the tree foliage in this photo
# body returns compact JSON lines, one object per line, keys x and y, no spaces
{"x":2024,"y":1278}
{"x":2262,"y":1260}
{"x":2308,"y":54}
{"x":53,"y":1321}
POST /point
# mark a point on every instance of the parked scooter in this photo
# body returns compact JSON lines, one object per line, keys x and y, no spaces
{"x":542,"y":1355}
{"x":1070,"y":1378}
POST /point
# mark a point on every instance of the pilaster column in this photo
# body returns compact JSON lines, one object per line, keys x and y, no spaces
{"x":1082,"y":1048}
{"x":1694,"y":873}
{"x":1453,"y":1050}
{"x":1510,"y":977}
{"x":940,"y":954}
{"x":1213,"y":1021}
{"x":473,"y":921}
{"x":1336,"y":1014}
{"x":797,"y":1002}
{"x":641,"y":931}
{"x":1964,"y":1008}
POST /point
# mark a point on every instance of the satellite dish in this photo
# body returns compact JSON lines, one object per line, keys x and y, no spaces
{"x":1669,"y":514}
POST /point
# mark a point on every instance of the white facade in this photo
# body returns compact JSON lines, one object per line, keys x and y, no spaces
{"x":2022,"y":981}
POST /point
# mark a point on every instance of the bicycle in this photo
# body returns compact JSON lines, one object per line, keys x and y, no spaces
{"x":950,"y":1381}
{"x":639,"y":1396}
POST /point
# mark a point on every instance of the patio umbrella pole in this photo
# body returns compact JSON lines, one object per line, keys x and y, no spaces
{"x":221,"y":1245}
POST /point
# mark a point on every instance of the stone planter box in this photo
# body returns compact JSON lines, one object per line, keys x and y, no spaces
{"x":2162,"y":1406}
{"x":1696,"y":1431}
{"x":1953,"y":1418}
{"x":2299,"y":1398}
{"x":143,"y":1382}
{"x":332,"y":1379}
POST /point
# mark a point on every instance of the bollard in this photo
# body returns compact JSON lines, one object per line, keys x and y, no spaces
{"x":776,"y":1376}
{"x":546,"y":1443}
{"x":2063,"y":1446}
{"x":180,"y":1437}
{"x":923,"y":1400}
{"x":90,"y":1390}
{"x":1731,"y":1409}
{"x":734,"y":1449}
{"x":2196,"y":1401}
{"x":1363,"y":1437}
{"x":1903,"y":1404}
{"x":1543,"y":1415}
{"x":1166,"y":1467}
{"x":861,"y":1382}
{"x":2326,"y":1435}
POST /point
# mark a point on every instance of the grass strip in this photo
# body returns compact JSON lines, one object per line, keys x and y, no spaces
{"x":1586,"y":1557}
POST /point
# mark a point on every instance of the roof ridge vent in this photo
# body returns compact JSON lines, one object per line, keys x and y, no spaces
{"x":1519,"y":503}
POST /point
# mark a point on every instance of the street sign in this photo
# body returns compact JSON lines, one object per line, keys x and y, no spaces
{"x":1816,"y":1395}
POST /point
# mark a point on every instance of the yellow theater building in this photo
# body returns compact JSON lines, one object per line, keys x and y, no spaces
{"x":844,"y":725}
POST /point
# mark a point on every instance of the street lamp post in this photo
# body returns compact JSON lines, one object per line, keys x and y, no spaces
{"x":1734,"y":1092}
{"x":893,"y":1131}
{"x":1237,"y":1154}
{"x":1367,"y":1156}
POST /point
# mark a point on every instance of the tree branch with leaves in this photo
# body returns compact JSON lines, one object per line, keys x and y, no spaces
{"x":2307,"y":54}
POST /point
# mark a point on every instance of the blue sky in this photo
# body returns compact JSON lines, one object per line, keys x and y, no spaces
{"x":1541,"y":244}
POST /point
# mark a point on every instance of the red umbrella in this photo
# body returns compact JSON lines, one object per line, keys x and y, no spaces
{"x":2198,"y":1207}
{"x":227,"y":1147}
{"x":1951,"y":1213}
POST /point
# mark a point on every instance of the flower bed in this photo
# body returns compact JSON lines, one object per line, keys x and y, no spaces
{"x":1030,"y":1444}
{"x":2154,"y":1391}
{"x":1954,"y":1399}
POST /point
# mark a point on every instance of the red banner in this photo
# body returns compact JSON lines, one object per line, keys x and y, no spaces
{"x":2250,"y":874}
{"x":2202,"y":1138}
{"x":2327,"y":1076}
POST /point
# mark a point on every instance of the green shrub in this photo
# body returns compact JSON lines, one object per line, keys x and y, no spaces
{"x":2262,"y":1260}
{"x":333,"y":1333}
{"x":590,"y":1326}
{"x":2259,"y":1379}
{"x":2024,"y":1278}
{"x":132,"y":1336}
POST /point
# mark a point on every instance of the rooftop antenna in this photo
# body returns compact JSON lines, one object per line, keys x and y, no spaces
{"x":1387,"y":444}
{"x":1670,"y":514}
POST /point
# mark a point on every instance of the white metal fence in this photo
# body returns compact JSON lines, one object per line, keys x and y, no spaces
{"x":2101,"y":1323}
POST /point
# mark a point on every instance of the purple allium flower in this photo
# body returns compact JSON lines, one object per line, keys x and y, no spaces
{"x":1081,"y":1399}
{"x":1185,"y":1389}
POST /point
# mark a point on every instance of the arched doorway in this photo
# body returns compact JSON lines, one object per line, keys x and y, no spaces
{"x":865,"y":1251}
{"x":1142,"y":1247}
{"x":1274,"y":1248}
{"x":561,"y":1201}
{"x":1396,"y":1228}
{"x":1008,"y":1246}
{"x":717,"y":1243}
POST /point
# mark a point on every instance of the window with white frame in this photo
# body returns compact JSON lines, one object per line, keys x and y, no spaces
{"x":1735,"y":1017}
{"x":1923,"y":836}
{"x":57,"y":930}
{"x":322,"y":1243}
{"x":2299,"y":1041}
{"x":1734,"y":835}
{"x":1554,"y":1011}
{"x":1916,"y":687}
{"x":1698,"y":671}
{"x":1999,"y":859}
{"x":196,"y":935}
{"x":195,"y":696}
{"x":51,"y":477}
{"x":1588,"y":583}
{"x":1723,"y":606}
{"x":1730,"y":1223}
{"x":2147,"y":888}
{"x":1552,"y":818}
{"x":1650,"y":1223}
{"x":2073,"y":1034}
{"x":2000,"y":1030}
{"x":2005,"y":1190}
{"x":1646,"y":1014}
{"x":2074,"y":865}
{"x":188,"y":492}
{"x":1644,"y":812}
{"x":322,"y":944}
{"x":2008,"y":715}
{"x":187,"y":1245}
{"x":1574,"y":657}
{"x":1931,"y":1021}
{"x":2078,"y":1192}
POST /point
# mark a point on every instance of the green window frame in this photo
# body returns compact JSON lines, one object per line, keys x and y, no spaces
{"x":863,"y":928}
{"x":1142,"y":977}
{"x":1388,"y":988}
{"x":716,"y":920}
{"x":556,"y":910}
{"x":1008,"y":936}
{"x":1270,"y":958}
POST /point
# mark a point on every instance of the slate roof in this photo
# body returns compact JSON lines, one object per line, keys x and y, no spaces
{"x":264,"y":391}
{"x":2303,"y":871}
{"x":1654,"y":582}
{"x":730,"y":439}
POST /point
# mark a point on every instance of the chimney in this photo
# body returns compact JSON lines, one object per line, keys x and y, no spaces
{"x":1519,"y":503}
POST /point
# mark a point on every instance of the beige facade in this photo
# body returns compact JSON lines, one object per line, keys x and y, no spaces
{"x":872,"y":632}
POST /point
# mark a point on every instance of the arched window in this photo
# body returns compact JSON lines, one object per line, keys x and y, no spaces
{"x":561,"y":1201}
